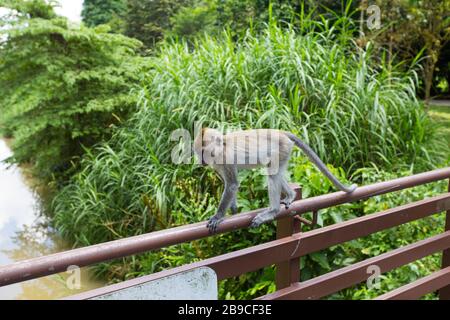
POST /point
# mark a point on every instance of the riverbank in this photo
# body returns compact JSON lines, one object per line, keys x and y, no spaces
{"x":25,"y":233}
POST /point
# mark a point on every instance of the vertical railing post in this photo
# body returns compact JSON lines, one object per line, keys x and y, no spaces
{"x":444,"y":293}
{"x":288,"y":272}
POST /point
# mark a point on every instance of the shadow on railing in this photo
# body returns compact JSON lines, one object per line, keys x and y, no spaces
{"x":285,"y":252}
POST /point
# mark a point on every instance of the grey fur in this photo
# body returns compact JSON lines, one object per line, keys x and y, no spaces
{"x":275,"y":158}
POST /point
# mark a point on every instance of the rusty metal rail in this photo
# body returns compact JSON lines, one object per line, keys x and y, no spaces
{"x":285,"y":251}
{"x":343,"y":278}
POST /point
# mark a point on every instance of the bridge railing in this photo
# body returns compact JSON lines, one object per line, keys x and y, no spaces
{"x":286,"y":250}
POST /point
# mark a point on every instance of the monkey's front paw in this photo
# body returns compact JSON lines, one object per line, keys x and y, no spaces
{"x":213,"y":224}
{"x":263,"y":217}
{"x":259,"y":220}
{"x":256,"y":222}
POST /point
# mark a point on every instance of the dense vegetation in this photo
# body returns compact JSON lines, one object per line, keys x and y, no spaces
{"x":94,"y":118}
{"x":335,"y":96}
{"x":62,"y":86}
{"x":408,"y":27}
{"x":317,"y":84}
{"x":96,"y":12}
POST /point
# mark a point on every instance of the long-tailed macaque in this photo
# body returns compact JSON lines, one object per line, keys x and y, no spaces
{"x":249,"y":149}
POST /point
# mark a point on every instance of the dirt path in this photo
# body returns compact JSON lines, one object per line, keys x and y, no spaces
{"x":440,"y":103}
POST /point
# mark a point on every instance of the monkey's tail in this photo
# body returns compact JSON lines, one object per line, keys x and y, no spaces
{"x":322,"y":167}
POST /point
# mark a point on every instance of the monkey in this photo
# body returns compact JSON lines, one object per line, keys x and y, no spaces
{"x":247,"y":149}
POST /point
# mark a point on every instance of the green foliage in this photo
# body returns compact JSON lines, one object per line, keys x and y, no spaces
{"x":411,"y":26}
{"x":147,"y":20}
{"x":190,"y":22}
{"x":442,"y":83}
{"x":317,"y":83}
{"x":34,"y":8}
{"x":96,"y":12}
{"x":152,"y":21}
{"x":62,"y":87}
{"x":213,"y":16}
{"x":237,"y":16}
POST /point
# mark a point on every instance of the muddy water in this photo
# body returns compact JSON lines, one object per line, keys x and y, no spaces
{"x":24,"y":234}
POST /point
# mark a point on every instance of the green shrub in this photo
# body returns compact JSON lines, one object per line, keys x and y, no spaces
{"x":62,"y":86}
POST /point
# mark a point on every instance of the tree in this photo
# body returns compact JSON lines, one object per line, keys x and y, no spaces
{"x":96,"y":12}
{"x":192,"y":21}
{"x":35,"y":9}
{"x":443,"y":72}
{"x":151,"y":20}
{"x":237,"y":16}
{"x":433,"y":17}
{"x":62,"y":86}
{"x":148,"y":20}
{"x":412,"y":26}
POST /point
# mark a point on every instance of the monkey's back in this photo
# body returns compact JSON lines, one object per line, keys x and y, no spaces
{"x":258,"y":147}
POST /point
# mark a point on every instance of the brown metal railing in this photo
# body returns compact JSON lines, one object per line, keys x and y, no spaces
{"x":285,"y":252}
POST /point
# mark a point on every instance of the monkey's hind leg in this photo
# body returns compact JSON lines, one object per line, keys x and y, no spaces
{"x":290,"y":194}
{"x":234,"y":207}
{"x":274,"y":196}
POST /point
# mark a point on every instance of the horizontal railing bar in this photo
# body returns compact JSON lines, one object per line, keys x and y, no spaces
{"x":259,"y":256}
{"x":420,"y":287}
{"x":365,"y":192}
{"x":326,"y":237}
{"x":345,"y":277}
{"x":58,"y":262}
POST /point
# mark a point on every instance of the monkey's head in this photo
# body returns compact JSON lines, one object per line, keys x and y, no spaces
{"x":207,"y":145}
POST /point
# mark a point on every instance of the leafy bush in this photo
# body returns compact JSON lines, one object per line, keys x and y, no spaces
{"x":62,"y":86}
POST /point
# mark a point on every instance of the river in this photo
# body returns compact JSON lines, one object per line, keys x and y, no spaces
{"x":24,"y":234}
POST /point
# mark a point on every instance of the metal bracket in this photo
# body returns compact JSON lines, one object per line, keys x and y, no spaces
{"x":307,"y":222}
